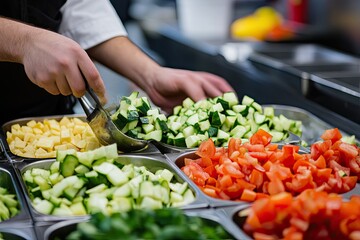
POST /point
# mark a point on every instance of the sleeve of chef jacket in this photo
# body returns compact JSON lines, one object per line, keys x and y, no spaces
{"x":90,"y":22}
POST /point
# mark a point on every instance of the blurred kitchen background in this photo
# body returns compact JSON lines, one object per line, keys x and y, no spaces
{"x":303,"y":53}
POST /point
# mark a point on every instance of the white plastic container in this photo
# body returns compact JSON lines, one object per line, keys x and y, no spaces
{"x":205,"y":19}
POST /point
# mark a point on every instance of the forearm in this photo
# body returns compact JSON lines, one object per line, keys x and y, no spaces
{"x":13,"y":37}
{"x":125,"y":58}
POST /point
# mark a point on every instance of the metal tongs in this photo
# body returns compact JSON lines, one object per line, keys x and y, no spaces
{"x":105,"y":130}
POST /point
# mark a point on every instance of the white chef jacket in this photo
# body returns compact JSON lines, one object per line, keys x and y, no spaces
{"x":90,"y":22}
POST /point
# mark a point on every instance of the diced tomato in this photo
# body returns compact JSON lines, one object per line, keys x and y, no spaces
{"x":248,"y":195}
{"x":347,"y":151}
{"x":337,"y":167}
{"x":211,"y":171}
{"x":206,"y":149}
{"x":275,"y":186}
{"x":320,"y":162}
{"x":256,"y":178}
{"x":261,"y":137}
{"x":210,"y":192}
{"x":332,"y":134}
{"x":233,"y":145}
{"x":263,"y":236}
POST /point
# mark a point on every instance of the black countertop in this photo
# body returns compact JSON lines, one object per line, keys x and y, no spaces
{"x":265,"y":84}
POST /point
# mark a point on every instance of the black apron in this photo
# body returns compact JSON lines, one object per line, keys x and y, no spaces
{"x":19,"y":97}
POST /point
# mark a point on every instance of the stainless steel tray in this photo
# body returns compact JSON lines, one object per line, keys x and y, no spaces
{"x":211,"y":216}
{"x":2,"y":152}
{"x":152,"y":163}
{"x":8,"y":180}
{"x":177,"y":160}
{"x":284,"y":55}
{"x":151,"y":149}
{"x":231,"y":213}
{"x":16,"y":232}
{"x":312,"y":126}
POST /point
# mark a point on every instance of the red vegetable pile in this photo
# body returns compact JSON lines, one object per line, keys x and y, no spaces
{"x":259,"y":168}
{"x":311,"y":215}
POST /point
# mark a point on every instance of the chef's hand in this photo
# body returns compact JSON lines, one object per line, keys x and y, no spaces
{"x":169,"y":87}
{"x":55,"y":63}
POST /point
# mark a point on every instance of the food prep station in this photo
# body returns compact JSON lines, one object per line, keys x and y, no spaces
{"x":30,"y":224}
{"x":313,"y":84}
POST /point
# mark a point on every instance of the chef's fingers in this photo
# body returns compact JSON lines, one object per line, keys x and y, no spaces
{"x":63,"y":86}
{"x":92,"y":76}
{"x":194,"y":91}
{"x":75,"y":81}
{"x":217,"y":82}
{"x":51,"y":87}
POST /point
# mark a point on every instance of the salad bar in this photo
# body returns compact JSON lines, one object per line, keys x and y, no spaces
{"x":221,"y":168}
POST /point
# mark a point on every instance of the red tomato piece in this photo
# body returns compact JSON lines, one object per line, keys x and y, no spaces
{"x":206,"y":149}
{"x":332,"y":134}
{"x":261,"y":137}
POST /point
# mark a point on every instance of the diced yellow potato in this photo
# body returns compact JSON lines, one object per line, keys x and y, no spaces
{"x":79,"y":129}
{"x":29,"y":149}
{"x":45,"y":143}
{"x":41,"y":139}
{"x":71,"y":146}
{"x":70,"y":125}
{"x":19,"y":134}
{"x":40,"y":151}
{"x":46,"y":133}
{"x":15,"y":127}
{"x":39,"y":125}
{"x":55,"y":132}
{"x":26,"y":129}
{"x":19,"y":143}
{"x":54,"y":125}
{"x":78,"y":121}
{"x":46,"y":128}
{"x":64,"y":121}
{"x":31,"y":124}
{"x":60,"y":147}
{"x":80,"y":144}
{"x":29,"y":137}
{"x":56,"y":139}
{"x":28,"y":154}
{"x":12,"y":145}
{"x":9,"y":137}
{"x":17,"y":152}
{"x":65,"y":135}
{"x":37,"y":130}
{"x":45,"y":154}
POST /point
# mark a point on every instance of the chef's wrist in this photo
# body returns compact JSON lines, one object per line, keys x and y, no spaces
{"x":147,"y":76}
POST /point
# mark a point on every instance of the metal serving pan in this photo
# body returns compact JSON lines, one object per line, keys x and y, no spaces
{"x":8,"y":181}
{"x":151,"y":149}
{"x":177,"y":160}
{"x":231,"y":212}
{"x":152,"y":163}
{"x":16,"y":232}
{"x":2,"y":152}
{"x":312,"y":126}
{"x":62,"y":229}
{"x":299,"y":54}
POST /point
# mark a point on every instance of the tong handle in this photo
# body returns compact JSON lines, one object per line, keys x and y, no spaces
{"x":85,"y":102}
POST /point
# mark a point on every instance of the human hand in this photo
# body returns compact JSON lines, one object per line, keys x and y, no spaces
{"x":56,"y":63}
{"x":169,"y":87}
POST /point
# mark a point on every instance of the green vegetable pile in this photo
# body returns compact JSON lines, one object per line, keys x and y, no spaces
{"x":162,"y":224}
{"x":9,"y":206}
{"x":80,"y":183}
{"x":219,"y":118}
